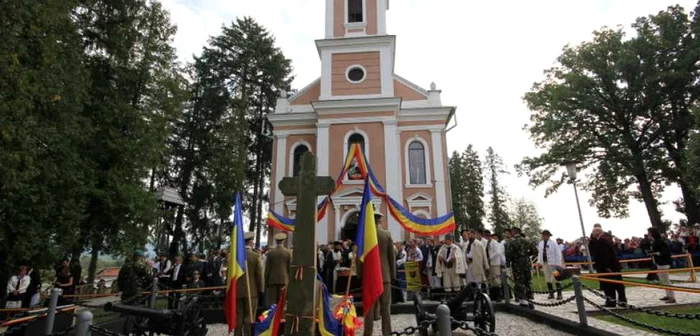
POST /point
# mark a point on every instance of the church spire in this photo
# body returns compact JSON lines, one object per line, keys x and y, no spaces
{"x":355,"y":18}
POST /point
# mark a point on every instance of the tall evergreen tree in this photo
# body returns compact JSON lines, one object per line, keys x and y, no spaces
{"x":498,"y":202}
{"x":458,"y":186}
{"x":474,"y":189}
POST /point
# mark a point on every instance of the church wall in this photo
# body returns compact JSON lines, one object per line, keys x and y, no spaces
{"x":406,"y":93}
{"x":420,"y":123}
{"x":371,"y":17}
{"x":339,"y":18}
{"x":355,"y":115}
{"x":448,"y":187}
{"x":309,"y":96}
{"x":372,"y":83}
{"x":406,"y":137}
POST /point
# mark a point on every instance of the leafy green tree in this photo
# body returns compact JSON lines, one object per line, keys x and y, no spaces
{"x":498,"y":203}
{"x":130,"y":61}
{"x":42,"y":176}
{"x":591,"y":108}
{"x":668,"y":46}
{"x":524,"y":215}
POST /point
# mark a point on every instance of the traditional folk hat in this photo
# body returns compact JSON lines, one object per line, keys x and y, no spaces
{"x":546,"y":232}
{"x":449,"y":236}
{"x":248,"y":236}
{"x":280,"y":236}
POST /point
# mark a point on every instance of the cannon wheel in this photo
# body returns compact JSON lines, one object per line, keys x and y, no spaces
{"x":420,"y":312}
{"x":484,"y":316}
{"x":194,"y":323}
{"x":135,"y":325}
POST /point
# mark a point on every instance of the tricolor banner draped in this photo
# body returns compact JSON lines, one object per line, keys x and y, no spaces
{"x":271,"y":325}
{"x":236,"y":264}
{"x":328,"y":325}
{"x":409,"y":221}
{"x":368,"y":252}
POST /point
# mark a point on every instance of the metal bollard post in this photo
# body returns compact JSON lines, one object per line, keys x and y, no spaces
{"x":580,"y":305}
{"x":51,"y":314}
{"x":504,"y":283}
{"x":154,"y":294}
{"x":82,"y":328}
{"x":444,"y":321}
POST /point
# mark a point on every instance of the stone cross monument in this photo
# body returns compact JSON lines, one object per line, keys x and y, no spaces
{"x":302,"y":280}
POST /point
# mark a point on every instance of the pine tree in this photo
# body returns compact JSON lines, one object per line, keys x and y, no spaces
{"x":458,"y":186}
{"x":498,"y":213}
{"x":474,"y":189}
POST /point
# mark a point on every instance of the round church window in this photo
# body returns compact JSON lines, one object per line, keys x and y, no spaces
{"x":356,"y":74}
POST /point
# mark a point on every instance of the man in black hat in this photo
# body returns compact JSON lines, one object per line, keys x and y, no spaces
{"x":331,"y":262}
{"x":549,"y":256}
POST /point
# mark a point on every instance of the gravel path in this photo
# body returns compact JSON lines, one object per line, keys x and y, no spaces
{"x":506,"y":324}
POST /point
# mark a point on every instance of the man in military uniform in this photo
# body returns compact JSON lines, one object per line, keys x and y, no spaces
{"x":253,"y":276}
{"x":277,"y":266}
{"x":388,"y":263}
{"x":518,"y":253}
{"x":133,"y":277}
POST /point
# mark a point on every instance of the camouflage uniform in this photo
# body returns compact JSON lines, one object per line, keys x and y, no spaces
{"x":133,"y":278}
{"x":518,"y":252}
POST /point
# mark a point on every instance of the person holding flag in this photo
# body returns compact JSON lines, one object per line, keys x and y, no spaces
{"x":376,"y":257}
{"x":244,"y":280}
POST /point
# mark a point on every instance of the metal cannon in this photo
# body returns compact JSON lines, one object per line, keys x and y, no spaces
{"x":141,"y":321}
{"x":482,"y":312}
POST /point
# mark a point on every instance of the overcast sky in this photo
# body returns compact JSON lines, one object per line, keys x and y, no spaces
{"x":484,"y":55}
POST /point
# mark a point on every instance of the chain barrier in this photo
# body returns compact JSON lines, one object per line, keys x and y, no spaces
{"x":553,"y":304}
{"x":103,"y":331}
{"x":660,"y":313}
{"x":423,"y":326}
{"x":635,"y":322}
{"x":464,"y":325}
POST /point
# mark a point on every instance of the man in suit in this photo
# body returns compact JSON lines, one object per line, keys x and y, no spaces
{"x":277,"y":266}
{"x":254,"y":276}
{"x":388,"y":262}
{"x":177,"y":279}
{"x":31,"y":296}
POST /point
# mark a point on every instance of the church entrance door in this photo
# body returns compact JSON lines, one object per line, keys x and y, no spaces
{"x":349,"y":230}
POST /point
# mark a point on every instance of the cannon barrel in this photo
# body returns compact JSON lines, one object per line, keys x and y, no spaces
{"x":139,"y":311}
{"x":456,"y":302}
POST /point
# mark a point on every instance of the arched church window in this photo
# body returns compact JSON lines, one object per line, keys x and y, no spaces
{"x":298,"y":152}
{"x":355,"y":11}
{"x":416,"y":163}
{"x":356,"y":138}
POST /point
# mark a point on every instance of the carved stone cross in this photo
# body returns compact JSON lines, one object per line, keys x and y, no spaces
{"x":302,"y":280}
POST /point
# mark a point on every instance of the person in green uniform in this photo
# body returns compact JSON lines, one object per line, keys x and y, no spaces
{"x":134,"y":277}
{"x":518,"y":253}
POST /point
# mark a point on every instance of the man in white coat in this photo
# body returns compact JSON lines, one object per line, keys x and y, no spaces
{"x":450,"y":265}
{"x":549,"y":256}
{"x":495,"y":253}
{"x":475,"y":255}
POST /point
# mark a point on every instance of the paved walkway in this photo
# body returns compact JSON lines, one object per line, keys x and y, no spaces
{"x":638,"y":296}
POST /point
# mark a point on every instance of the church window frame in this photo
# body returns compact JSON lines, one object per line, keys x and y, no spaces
{"x":426,"y":163}
{"x":353,"y":68}
{"x":349,"y":13}
{"x":292,"y":156}
{"x":346,"y":149}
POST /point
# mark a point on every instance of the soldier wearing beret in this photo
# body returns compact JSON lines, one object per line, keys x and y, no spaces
{"x":277,"y":266}
{"x":134,"y":277}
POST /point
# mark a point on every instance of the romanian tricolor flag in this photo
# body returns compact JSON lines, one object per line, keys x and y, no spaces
{"x":236,"y":264}
{"x":368,"y":252}
{"x":328,"y":325}
{"x":271,"y":325}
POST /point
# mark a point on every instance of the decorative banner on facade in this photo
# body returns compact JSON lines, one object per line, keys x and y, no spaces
{"x":356,"y":161}
{"x":413,"y":282}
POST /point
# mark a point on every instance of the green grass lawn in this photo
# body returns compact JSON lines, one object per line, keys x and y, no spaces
{"x":680,"y":325}
{"x":539,"y":284}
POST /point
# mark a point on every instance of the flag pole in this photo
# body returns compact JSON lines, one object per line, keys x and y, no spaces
{"x":250,"y":302}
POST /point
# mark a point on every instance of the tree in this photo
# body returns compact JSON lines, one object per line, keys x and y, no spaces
{"x":42,"y":175}
{"x":458,"y":186}
{"x":592,"y":109}
{"x":669,"y":46}
{"x":498,"y":212}
{"x":130,"y":61}
{"x":467,"y":185}
{"x":524,"y":215}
